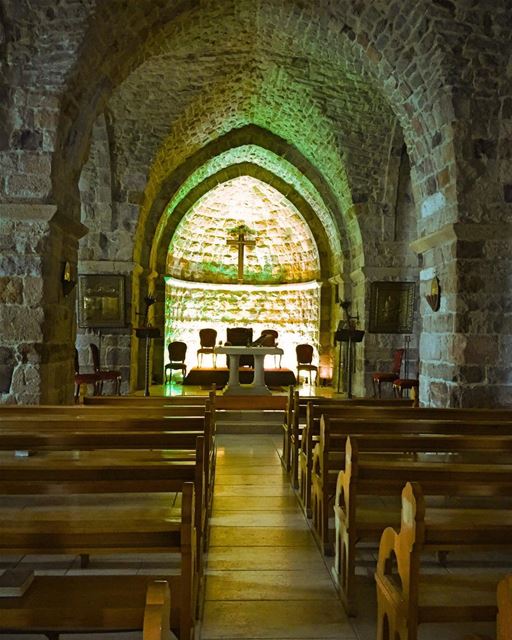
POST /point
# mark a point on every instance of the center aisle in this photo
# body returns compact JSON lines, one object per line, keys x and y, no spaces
{"x":265,"y":576}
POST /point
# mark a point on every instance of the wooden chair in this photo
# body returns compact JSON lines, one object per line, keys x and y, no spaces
{"x":270,"y":340}
{"x":240,"y":336}
{"x":105,"y":374}
{"x":379,"y":377}
{"x":177,"y":352}
{"x":207,"y":340}
{"x":86,"y":379}
{"x":401,"y":384}
{"x":305,"y":359}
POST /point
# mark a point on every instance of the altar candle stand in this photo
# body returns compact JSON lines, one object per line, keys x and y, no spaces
{"x":147,"y":333}
{"x":350,"y":337}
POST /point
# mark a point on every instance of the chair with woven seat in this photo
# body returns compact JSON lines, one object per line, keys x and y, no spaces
{"x":111,"y":375}
{"x":92,"y":379}
{"x":378,"y":377}
{"x":305,"y":360}
{"x":207,"y":340}
{"x":177,"y":352}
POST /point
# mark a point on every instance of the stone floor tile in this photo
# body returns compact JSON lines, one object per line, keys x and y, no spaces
{"x":264,"y":619}
{"x":270,"y":585}
{"x":259,"y":469}
{"x":277,"y":558}
{"x":286,"y":503}
{"x":253,"y":490}
{"x":242,"y":519}
{"x":260,"y":537}
{"x":250,"y":479}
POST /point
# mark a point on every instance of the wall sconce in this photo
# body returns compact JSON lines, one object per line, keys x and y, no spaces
{"x":433,"y":297}
{"x":68,"y":279}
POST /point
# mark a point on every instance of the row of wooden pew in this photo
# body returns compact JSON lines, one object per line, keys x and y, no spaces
{"x":350,"y":463}
{"x":126,"y":476}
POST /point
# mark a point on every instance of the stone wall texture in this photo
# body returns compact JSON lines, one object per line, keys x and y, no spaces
{"x":387,"y":124}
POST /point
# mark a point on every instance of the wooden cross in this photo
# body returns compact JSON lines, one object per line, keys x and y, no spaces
{"x":241,"y":242}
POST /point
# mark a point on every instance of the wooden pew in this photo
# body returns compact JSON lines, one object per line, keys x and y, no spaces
{"x":304,"y":435}
{"x":158,"y":401}
{"x":109,"y":453}
{"x":294,"y":411}
{"x":84,"y":527}
{"x":376,"y":413}
{"x":157,"y":612}
{"x":504,"y":620}
{"x":58,"y":604}
{"x":357,"y":522}
{"x":329,"y":453}
{"x":77,"y":420}
{"x":406,"y":597}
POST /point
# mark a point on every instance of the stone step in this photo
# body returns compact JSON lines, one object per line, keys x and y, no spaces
{"x":249,"y":421}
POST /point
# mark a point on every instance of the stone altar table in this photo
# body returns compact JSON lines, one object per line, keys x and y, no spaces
{"x":258,"y":386}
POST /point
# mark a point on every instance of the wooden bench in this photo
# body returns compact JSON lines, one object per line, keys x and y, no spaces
{"x":438,"y":436}
{"x":295,"y":412}
{"x":304,"y":436}
{"x":504,"y":618}
{"x":82,"y":527}
{"x":75,"y":419}
{"x":104,"y":448}
{"x":157,"y":612}
{"x":357,"y":522}
{"x":373,"y":413}
{"x":158,"y":401}
{"x":58,"y":604}
{"x":406,"y":597}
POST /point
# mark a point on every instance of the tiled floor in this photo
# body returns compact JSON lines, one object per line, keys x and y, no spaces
{"x":265,"y":575}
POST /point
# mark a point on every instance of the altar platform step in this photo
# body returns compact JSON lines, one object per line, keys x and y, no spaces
{"x":249,"y":421}
{"x":274,"y":378}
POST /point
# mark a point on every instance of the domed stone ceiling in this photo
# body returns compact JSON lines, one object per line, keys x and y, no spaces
{"x":284,"y":249}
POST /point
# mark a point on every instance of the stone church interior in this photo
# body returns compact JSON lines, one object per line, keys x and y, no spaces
{"x":256,"y":323}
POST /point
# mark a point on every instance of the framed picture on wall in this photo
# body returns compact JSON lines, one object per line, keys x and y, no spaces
{"x":101,"y":301}
{"x":391,"y":307}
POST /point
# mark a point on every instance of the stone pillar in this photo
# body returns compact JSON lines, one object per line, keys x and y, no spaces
{"x":145,"y":283}
{"x":466,"y":346}
{"x":37,"y":316}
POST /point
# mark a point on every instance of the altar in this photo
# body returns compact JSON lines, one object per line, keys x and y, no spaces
{"x":258,"y":386}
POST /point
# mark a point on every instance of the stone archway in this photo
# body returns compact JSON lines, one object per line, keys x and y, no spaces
{"x":281,"y":270}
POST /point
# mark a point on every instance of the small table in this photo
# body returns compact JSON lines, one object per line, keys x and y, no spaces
{"x":258,"y":386}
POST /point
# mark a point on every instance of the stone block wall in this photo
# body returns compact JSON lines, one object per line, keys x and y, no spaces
{"x":292,"y":311}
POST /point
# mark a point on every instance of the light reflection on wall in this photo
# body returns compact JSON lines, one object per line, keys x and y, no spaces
{"x":292,"y":309}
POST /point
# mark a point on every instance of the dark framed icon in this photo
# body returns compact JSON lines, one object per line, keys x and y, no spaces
{"x":101,"y":301}
{"x":392,"y":307}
